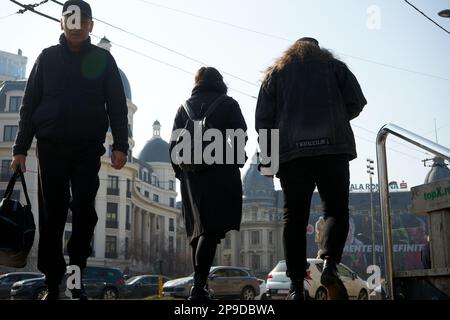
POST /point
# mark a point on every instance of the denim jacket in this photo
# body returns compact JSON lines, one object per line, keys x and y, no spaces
{"x":311,"y":102}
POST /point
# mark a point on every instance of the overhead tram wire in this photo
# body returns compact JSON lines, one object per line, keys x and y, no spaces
{"x":290,"y":40}
{"x":132,"y":50}
{"x":417,"y":9}
{"x":165,"y":48}
{"x":185,"y":71}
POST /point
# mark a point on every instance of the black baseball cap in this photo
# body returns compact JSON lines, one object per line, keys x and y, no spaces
{"x":85,"y":8}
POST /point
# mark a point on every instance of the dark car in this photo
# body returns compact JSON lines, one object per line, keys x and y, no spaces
{"x":7,"y":280}
{"x":143,"y":286}
{"x":99,"y":282}
{"x":224,"y":282}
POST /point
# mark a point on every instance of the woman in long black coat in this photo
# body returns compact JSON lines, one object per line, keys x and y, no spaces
{"x":211,"y":197}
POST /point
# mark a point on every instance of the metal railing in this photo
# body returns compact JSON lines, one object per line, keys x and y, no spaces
{"x":420,"y":142}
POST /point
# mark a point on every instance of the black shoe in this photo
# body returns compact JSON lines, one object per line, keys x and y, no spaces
{"x":296,"y":292}
{"x":199,"y":293}
{"x":51,"y":294}
{"x":329,"y":275}
{"x":78,"y":294}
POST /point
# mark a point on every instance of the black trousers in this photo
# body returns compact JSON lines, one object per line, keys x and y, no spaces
{"x":68,"y":178}
{"x":299,"y":177}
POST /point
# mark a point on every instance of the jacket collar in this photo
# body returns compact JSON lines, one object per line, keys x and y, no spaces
{"x":84,"y":46}
{"x":208,"y":86}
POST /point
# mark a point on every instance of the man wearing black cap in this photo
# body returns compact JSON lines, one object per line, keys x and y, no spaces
{"x":74,"y":93}
{"x":310,"y":96}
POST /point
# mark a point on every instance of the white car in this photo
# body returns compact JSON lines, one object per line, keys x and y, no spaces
{"x":278,"y":284}
{"x":262,"y":290}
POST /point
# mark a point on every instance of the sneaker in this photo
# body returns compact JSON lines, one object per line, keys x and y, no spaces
{"x":296,"y":292}
{"x":199,"y":293}
{"x":78,"y":294}
{"x":51,"y":294}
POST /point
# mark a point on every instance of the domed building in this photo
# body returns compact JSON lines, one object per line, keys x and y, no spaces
{"x":439,"y":171}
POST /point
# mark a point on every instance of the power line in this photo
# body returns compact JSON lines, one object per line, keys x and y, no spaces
{"x":30,"y":7}
{"x":417,"y":9}
{"x":132,"y":50}
{"x":289,"y":40}
{"x":166,"y":48}
{"x":9,"y":15}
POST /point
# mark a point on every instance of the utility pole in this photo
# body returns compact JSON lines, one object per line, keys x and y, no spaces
{"x":370,"y":171}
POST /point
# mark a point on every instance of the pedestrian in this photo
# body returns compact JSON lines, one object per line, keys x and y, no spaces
{"x":311,"y":96}
{"x":212,"y":195}
{"x":73,"y":94}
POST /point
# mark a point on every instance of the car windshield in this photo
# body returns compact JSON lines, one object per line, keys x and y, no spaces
{"x":132,"y":280}
{"x":280,"y":267}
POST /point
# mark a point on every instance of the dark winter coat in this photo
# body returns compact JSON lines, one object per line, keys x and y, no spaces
{"x":212,"y":198}
{"x":73,"y":97}
{"x":311,"y":102}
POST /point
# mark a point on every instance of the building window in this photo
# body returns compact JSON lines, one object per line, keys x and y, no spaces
{"x":227,"y":259}
{"x":111,"y":247}
{"x":127,"y":245}
{"x":9,"y":133}
{"x":146,"y":194}
{"x":255,"y":262}
{"x":227,"y":244}
{"x":128,"y":218}
{"x":271,"y":262}
{"x":5,"y":174}
{"x":171,"y":247}
{"x":67,"y":235}
{"x":145,"y":175}
{"x":171,"y":185}
{"x":242,"y":259}
{"x":254,"y":216}
{"x":155,"y":198}
{"x":254,"y":237}
{"x":14,"y":104}
{"x":171,"y":224}
{"x":113,"y":186}
{"x":157,"y":222}
{"x":242,"y":237}
{"x":270,"y":237}
{"x":111,"y":215}
{"x":128,"y":188}
{"x":172,"y":202}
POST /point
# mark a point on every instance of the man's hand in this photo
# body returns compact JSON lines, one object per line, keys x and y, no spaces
{"x":118,"y":159}
{"x":19,"y":160}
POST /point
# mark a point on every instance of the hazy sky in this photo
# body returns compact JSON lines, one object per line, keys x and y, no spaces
{"x":252,"y":34}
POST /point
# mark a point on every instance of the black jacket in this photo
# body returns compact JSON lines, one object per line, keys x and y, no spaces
{"x":311,"y":103}
{"x":73,"y":97}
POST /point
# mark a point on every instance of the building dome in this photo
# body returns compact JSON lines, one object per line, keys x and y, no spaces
{"x":156,"y":149}
{"x":126,"y":84}
{"x":439,"y":171}
{"x":256,"y":186}
{"x":106,"y":44}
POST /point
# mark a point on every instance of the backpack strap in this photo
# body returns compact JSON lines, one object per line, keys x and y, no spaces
{"x":189,"y":111}
{"x":211,"y":109}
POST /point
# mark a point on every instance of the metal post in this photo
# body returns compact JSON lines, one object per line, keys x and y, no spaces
{"x":370,"y":172}
{"x":416,"y":140}
{"x":374,"y":259}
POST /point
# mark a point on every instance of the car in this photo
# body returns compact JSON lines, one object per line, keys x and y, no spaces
{"x":143,"y":286}
{"x":278,"y":284}
{"x":99,"y":282}
{"x":223,"y":281}
{"x":7,"y":281}
{"x":262,"y":290}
